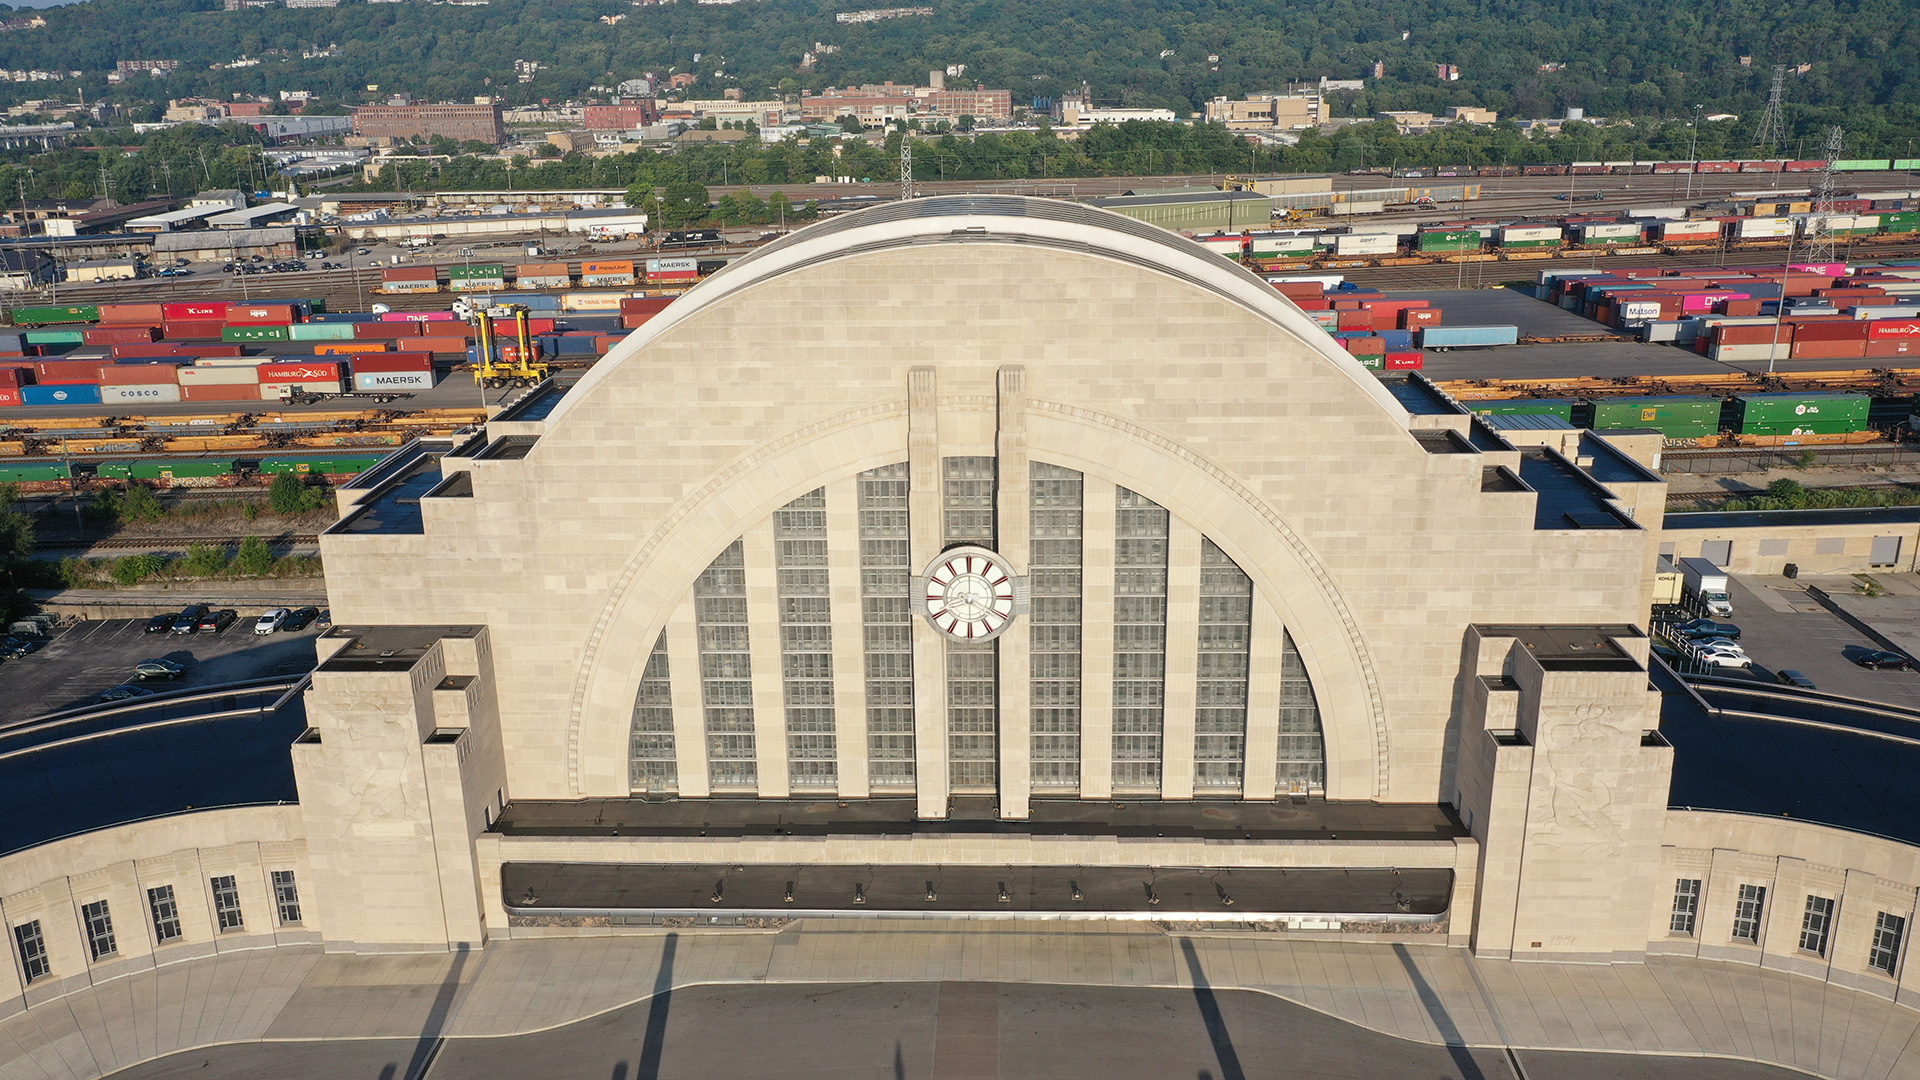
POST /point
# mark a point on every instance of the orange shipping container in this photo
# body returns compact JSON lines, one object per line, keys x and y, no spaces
{"x":149,"y":314}
{"x":348,"y":348}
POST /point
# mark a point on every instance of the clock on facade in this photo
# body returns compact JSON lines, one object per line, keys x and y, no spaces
{"x":970,"y":594}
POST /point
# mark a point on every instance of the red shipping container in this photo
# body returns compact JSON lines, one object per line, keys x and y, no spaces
{"x":407,"y":361}
{"x":410,"y":273}
{"x":1883,"y":329}
{"x":505,"y":328}
{"x":1414,"y":318}
{"x":604,"y":343}
{"x":145,"y":314}
{"x":198,"y":312}
{"x":12,"y":377}
{"x":1313,"y":305}
{"x":311,"y":371}
{"x":260,"y":315}
{"x":1346,"y":305}
{"x":139,"y":375}
{"x":1406,"y":361}
{"x":120,"y":335}
{"x":1742,"y":307}
{"x":67,"y":371}
{"x":1751,"y":335}
{"x":442,"y":344}
{"x":653,"y":305}
{"x":1829,"y":349}
{"x":1843,"y":330}
{"x":187,"y":330}
{"x":387,"y":330}
{"x":1355,"y":320}
{"x":1365,"y":346}
{"x":221,"y":392}
{"x":9,"y":396}
{"x":1884,"y":347}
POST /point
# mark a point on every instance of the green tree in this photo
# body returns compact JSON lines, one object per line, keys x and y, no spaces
{"x":204,"y":560}
{"x":288,"y":494}
{"x":133,"y":569}
{"x":255,"y":558}
{"x":682,"y":204}
{"x":16,"y":546}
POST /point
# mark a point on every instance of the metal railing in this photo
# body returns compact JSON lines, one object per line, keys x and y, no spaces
{"x":256,"y":697}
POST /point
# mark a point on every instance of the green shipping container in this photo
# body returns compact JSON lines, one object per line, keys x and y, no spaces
{"x":331,"y":465}
{"x":1862,"y":165}
{"x":1559,"y":407}
{"x":1373,"y":363}
{"x":56,"y":337}
{"x":486,"y":270}
{"x":1461,"y":240}
{"x":1783,"y":414}
{"x":1906,"y":221}
{"x":21,"y":474}
{"x":254,"y":333}
{"x":26,"y":316}
{"x":190,"y":467}
{"x":114,"y":470}
{"x":321,"y":331}
{"x":1674,"y":417}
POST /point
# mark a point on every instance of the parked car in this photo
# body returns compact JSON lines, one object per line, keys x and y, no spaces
{"x":324,"y":621}
{"x":1707,"y":628}
{"x":188,"y":620}
{"x":1719,"y":644}
{"x":13,"y":646}
{"x":1793,"y":678}
{"x":215,"y":621}
{"x":298,"y":618}
{"x":1723,"y":658}
{"x":1877,"y":659}
{"x":124,"y":692}
{"x":158,"y":669}
{"x":271,"y":621}
{"x":160,"y":624}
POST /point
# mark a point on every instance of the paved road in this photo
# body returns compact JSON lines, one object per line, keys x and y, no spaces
{"x":91,"y":656}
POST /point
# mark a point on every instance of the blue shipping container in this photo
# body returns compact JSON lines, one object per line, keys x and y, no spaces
{"x":345,"y":316}
{"x":1452,"y":337}
{"x":1397,"y":339}
{"x":63,"y":394}
{"x":11,"y":342}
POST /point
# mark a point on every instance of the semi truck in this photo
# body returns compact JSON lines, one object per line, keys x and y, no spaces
{"x":1706,"y":585}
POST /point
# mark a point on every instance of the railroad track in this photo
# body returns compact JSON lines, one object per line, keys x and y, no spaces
{"x":1696,"y":499}
{"x":172,"y":543}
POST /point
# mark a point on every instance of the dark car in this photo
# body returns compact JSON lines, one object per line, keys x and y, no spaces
{"x":123,"y":693}
{"x":1667,"y":652}
{"x":1793,"y":678}
{"x":15,"y":647}
{"x":1878,"y":659}
{"x":300,"y":618}
{"x":188,"y":620}
{"x":158,"y":669}
{"x":215,"y":621}
{"x":1707,"y":628}
{"x":160,"y":624}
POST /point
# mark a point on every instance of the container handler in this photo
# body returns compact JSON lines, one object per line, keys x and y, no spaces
{"x":495,"y":373}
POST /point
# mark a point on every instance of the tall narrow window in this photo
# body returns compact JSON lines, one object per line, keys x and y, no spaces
{"x":1747,"y":910}
{"x":1816,"y":924}
{"x":33,"y":950}
{"x":726,"y":671}
{"x":1139,"y":641}
{"x":99,"y":923}
{"x":1686,"y":906}
{"x":286,"y":897}
{"x":165,"y":912}
{"x":1303,"y":752}
{"x":652,"y":765}
{"x":973,"y":671}
{"x":1058,"y":520}
{"x":226,"y":903}
{"x":1887,"y":932}
{"x":806,"y":639}
{"x":1226,"y":635}
{"x":886,"y":613}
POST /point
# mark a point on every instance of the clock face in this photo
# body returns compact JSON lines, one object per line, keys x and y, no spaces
{"x":969,"y":594}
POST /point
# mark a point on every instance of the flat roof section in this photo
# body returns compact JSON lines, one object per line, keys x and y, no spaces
{"x":532,"y":890}
{"x":387,"y":648}
{"x":1571,"y":647}
{"x":1568,"y":498}
{"x":1308,"y":819}
{"x":1420,"y":397}
{"x":1863,"y":515}
{"x":395,"y":509}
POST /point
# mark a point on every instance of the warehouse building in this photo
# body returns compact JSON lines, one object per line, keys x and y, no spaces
{"x":478,"y":123}
{"x":1188,"y":211}
{"x":1106,"y":588}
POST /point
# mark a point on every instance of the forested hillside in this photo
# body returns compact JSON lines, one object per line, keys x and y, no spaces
{"x":1639,"y":58}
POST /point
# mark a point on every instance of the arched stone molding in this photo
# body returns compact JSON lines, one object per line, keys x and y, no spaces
{"x":1205,"y":495}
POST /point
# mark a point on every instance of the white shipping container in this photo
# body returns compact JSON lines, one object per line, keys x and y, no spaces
{"x":1225,"y":245}
{"x":1626,"y":230}
{"x":1689,"y":230}
{"x":373,"y":382}
{"x":120,"y":395}
{"x":599,"y":281}
{"x":1770,"y":226}
{"x":1639,"y":311}
{"x":1366,"y":244}
{"x":1739,"y":353}
{"x":1661,"y":212}
{"x":227,"y":361}
{"x":409,"y":286}
{"x":219,"y":375}
{"x":592,"y":301}
{"x":1530,"y":233}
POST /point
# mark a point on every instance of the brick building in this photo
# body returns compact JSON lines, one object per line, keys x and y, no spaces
{"x":622,"y":117}
{"x":481,"y":123}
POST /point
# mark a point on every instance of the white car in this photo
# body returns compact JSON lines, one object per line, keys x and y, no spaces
{"x":1719,"y":658}
{"x":271,"y":621}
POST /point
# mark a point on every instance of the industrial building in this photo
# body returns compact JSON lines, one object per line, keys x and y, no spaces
{"x":477,"y":123}
{"x":1189,"y":211}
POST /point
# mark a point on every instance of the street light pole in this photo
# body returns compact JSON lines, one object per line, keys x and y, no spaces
{"x":1693,"y":152}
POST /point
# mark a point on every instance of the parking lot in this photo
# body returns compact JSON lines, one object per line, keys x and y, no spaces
{"x":1783,"y":626}
{"x":89,"y":657}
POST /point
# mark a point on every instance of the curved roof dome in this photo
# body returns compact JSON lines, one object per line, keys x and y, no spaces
{"x":999,"y":219}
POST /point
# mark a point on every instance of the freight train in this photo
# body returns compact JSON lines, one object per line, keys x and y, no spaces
{"x":1645,"y":168}
{"x":188,"y":471}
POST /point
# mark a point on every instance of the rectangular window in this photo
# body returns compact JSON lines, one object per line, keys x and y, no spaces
{"x":1057,"y":525}
{"x":33,"y":950}
{"x":1887,"y":932}
{"x":1747,"y":911}
{"x":1815,"y":924}
{"x":1139,"y":641}
{"x":652,"y":765}
{"x":1226,"y":636}
{"x":726,"y":670}
{"x":165,"y":912}
{"x":226,"y":904}
{"x":806,"y":639}
{"x":973,"y":671}
{"x":1302,"y":765}
{"x":286,"y":897}
{"x":886,"y":615}
{"x":99,"y":925}
{"x":1686,"y":906}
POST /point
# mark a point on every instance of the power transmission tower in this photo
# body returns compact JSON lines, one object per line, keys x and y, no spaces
{"x":906,"y":164}
{"x":1772,"y":129}
{"x":1820,"y":223}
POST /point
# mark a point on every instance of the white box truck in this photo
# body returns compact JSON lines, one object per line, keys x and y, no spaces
{"x":1706,"y":584}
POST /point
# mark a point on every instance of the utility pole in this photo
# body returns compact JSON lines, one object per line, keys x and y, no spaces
{"x":1772,"y":130}
{"x":1820,"y":232}
{"x":1693,"y":151}
{"x":906,"y":164}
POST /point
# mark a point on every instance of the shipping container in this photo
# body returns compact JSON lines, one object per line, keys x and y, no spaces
{"x":409,"y":279}
{"x":350,"y":348}
{"x":1676,"y":417}
{"x":56,"y":337}
{"x":1451,"y":337}
{"x":673,"y":269}
{"x":140,"y":375}
{"x":1462,"y":240}
{"x":336,"y":466}
{"x":260,"y":315}
{"x":1560,"y":407}
{"x":1278,"y":247}
{"x":1361,"y":244}
{"x":475,"y":272}
{"x":541,"y":276}
{"x":311,"y":371}
{"x":199,"y":311}
{"x":592,"y":301}
{"x":257,"y":332}
{"x":373,"y":382}
{"x":24,"y":473}
{"x":1765,"y":228}
{"x":407,"y":361}
{"x":67,"y":371}
{"x":1530,"y":236}
{"x":43,"y":316}
{"x":120,"y":335}
{"x":320,"y":332}
{"x":1686,"y":231}
{"x":247,"y":391}
{"x":1619,"y":232}
{"x":193,"y":329}
{"x":603,"y":273}
{"x":133,"y":314}
{"x":154,"y":393}
{"x":1405,"y":361}
{"x":280,"y":391}
{"x":1797,"y":414}
{"x":66,"y":394}
{"x":376,"y":331}
{"x":219,"y":376}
